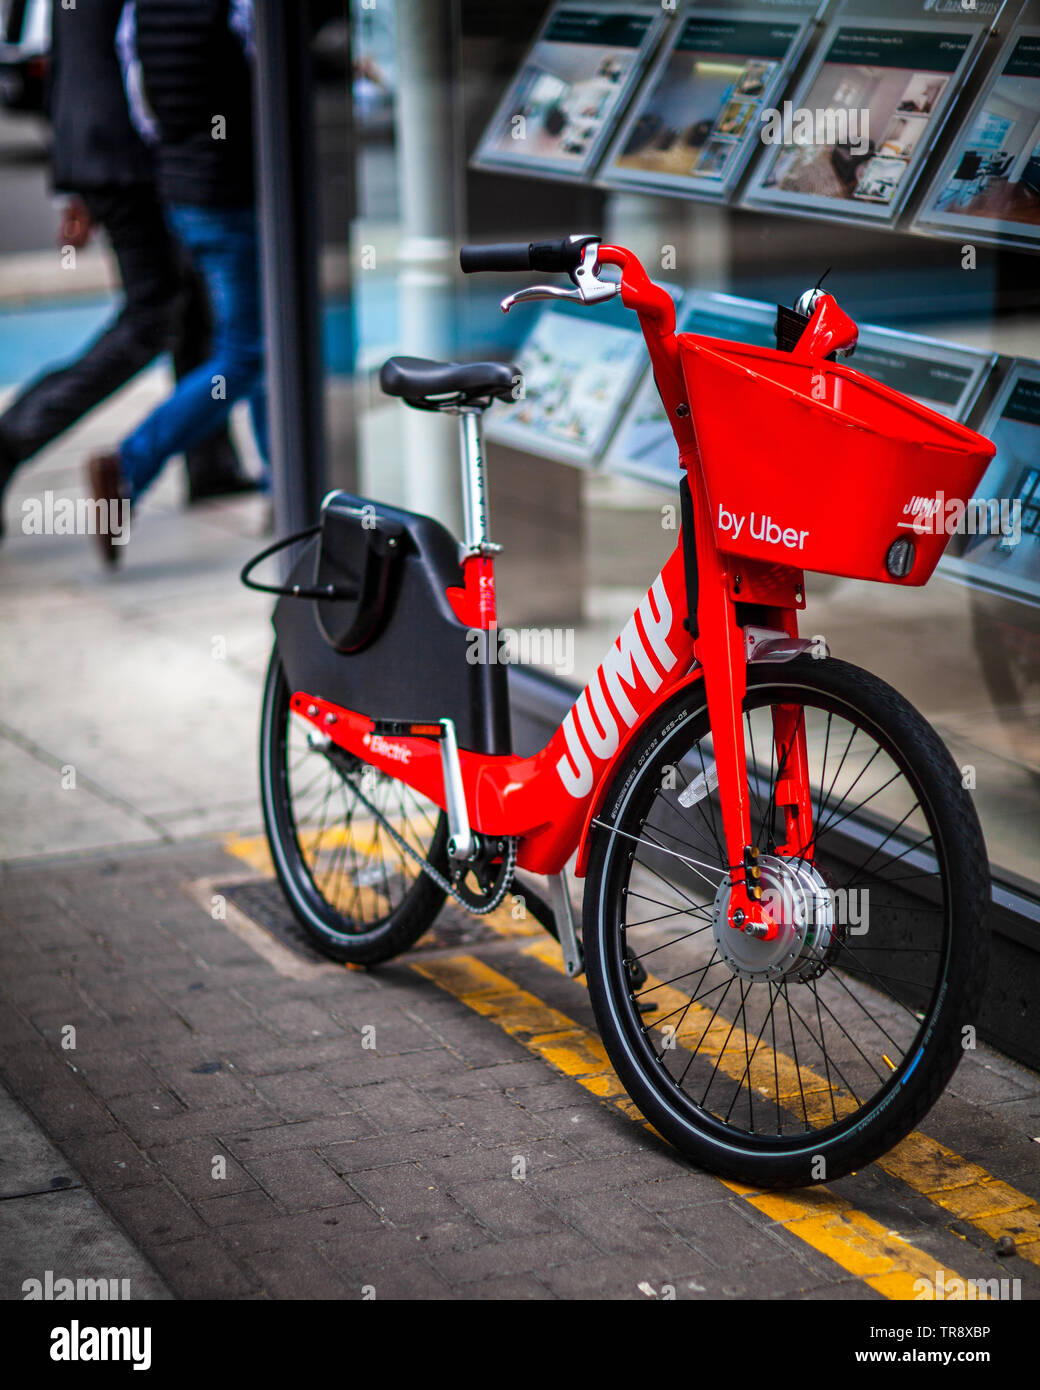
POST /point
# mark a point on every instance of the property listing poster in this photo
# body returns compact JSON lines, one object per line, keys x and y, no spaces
{"x":1009,"y":563}
{"x":699,"y":119}
{"x":872,"y":106}
{"x":943,"y":376}
{"x":989,"y":186}
{"x":571,"y":89}
{"x":579,"y":373}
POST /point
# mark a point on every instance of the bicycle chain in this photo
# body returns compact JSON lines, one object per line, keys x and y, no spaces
{"x":438,"y":878}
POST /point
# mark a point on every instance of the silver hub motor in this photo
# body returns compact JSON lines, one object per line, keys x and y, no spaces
{"x":799,"y":900}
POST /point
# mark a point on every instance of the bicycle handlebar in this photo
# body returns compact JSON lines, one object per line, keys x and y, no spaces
{"x":552,"y":256}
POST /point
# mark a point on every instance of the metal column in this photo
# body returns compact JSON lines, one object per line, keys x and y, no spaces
{"x":284,"y":121}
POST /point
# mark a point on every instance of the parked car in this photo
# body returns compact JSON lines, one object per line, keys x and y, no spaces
{"x":25,"y":45}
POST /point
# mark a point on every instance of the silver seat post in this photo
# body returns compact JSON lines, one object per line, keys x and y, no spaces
{"x":474,"y":490}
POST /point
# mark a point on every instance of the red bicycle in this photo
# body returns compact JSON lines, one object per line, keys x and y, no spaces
{"x":786,"y":883}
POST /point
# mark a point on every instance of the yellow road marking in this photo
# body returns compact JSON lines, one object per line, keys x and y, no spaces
{"x":827,"y":1223}
{"x":961,"y":1188}
{"x":508,"y":920}
{"x":252,"y":850}
{"x":705,"y":1032}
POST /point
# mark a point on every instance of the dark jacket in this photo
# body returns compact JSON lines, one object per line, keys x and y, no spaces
{"x":95,"y":143}
{"x":198,"y":86}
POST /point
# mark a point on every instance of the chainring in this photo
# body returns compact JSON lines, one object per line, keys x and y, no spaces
{"x":493,"y":877}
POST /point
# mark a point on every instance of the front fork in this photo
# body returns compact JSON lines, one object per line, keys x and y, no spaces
{"x":719,"y":647}
{"x":719,"y":641}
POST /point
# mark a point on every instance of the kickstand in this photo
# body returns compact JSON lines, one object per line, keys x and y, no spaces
{"x":565,"y":929}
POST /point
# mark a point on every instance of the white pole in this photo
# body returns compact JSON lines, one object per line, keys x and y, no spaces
{"x":426,"y":171}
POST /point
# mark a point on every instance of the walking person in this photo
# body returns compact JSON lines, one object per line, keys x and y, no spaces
{"x":187,"y":67}
{"x":100,"y":160}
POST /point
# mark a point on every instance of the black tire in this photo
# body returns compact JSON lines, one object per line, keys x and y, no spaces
{"x":896,"y":1005}
{"x":361,"y":903}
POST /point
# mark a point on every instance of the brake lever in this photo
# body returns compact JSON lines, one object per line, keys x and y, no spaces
{"x":538,"y":292}
{"x":589,"y":288}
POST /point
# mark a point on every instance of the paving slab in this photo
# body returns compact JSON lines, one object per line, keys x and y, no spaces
{"x":52,"y":1227}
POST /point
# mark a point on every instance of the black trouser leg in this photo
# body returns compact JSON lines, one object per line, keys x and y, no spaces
{"x":147,"y":257}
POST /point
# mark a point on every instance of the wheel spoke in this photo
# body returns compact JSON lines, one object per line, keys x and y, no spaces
{"x":359,"y":871}
{"x":801,"y":1037}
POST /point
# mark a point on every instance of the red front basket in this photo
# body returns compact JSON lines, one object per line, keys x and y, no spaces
{"x":817,"y":466}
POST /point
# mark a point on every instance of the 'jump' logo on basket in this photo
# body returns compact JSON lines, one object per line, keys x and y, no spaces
{"x":760,"y":528}
{"x":979,"y":516}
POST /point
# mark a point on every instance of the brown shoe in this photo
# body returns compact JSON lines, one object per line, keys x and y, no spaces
{"x":105,"y":477}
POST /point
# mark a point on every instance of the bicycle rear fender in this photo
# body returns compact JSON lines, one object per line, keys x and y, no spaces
{"x":416,"y":661}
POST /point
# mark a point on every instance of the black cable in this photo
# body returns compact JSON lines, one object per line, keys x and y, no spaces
{"x":295,"y":590}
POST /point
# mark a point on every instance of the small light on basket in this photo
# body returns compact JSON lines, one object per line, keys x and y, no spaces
{"x":900,"y":558}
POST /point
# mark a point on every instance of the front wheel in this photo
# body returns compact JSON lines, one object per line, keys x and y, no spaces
{"x":799,"y":1059}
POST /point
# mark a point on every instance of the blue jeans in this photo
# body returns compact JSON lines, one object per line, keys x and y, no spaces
{"x":223,"y":243}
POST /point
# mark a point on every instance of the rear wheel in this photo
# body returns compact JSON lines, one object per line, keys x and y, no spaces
{"x":798,"y":1059}
{"x":359,"y":897}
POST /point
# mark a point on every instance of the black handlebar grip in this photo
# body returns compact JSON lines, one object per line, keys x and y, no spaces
{"x":553,"y":256}
{"x":504,"y":255}
{"x":564,"y":255}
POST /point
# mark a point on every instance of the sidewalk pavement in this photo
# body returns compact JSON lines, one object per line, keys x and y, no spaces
{"x":144,"y":683}
{"x":129,"y":717}
{"x":219,"y":1101}
{"x":51,"y":1222}
{"x":262,"y":1124}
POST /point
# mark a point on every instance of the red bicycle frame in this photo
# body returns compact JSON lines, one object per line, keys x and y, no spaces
{"x":550,"y":801}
